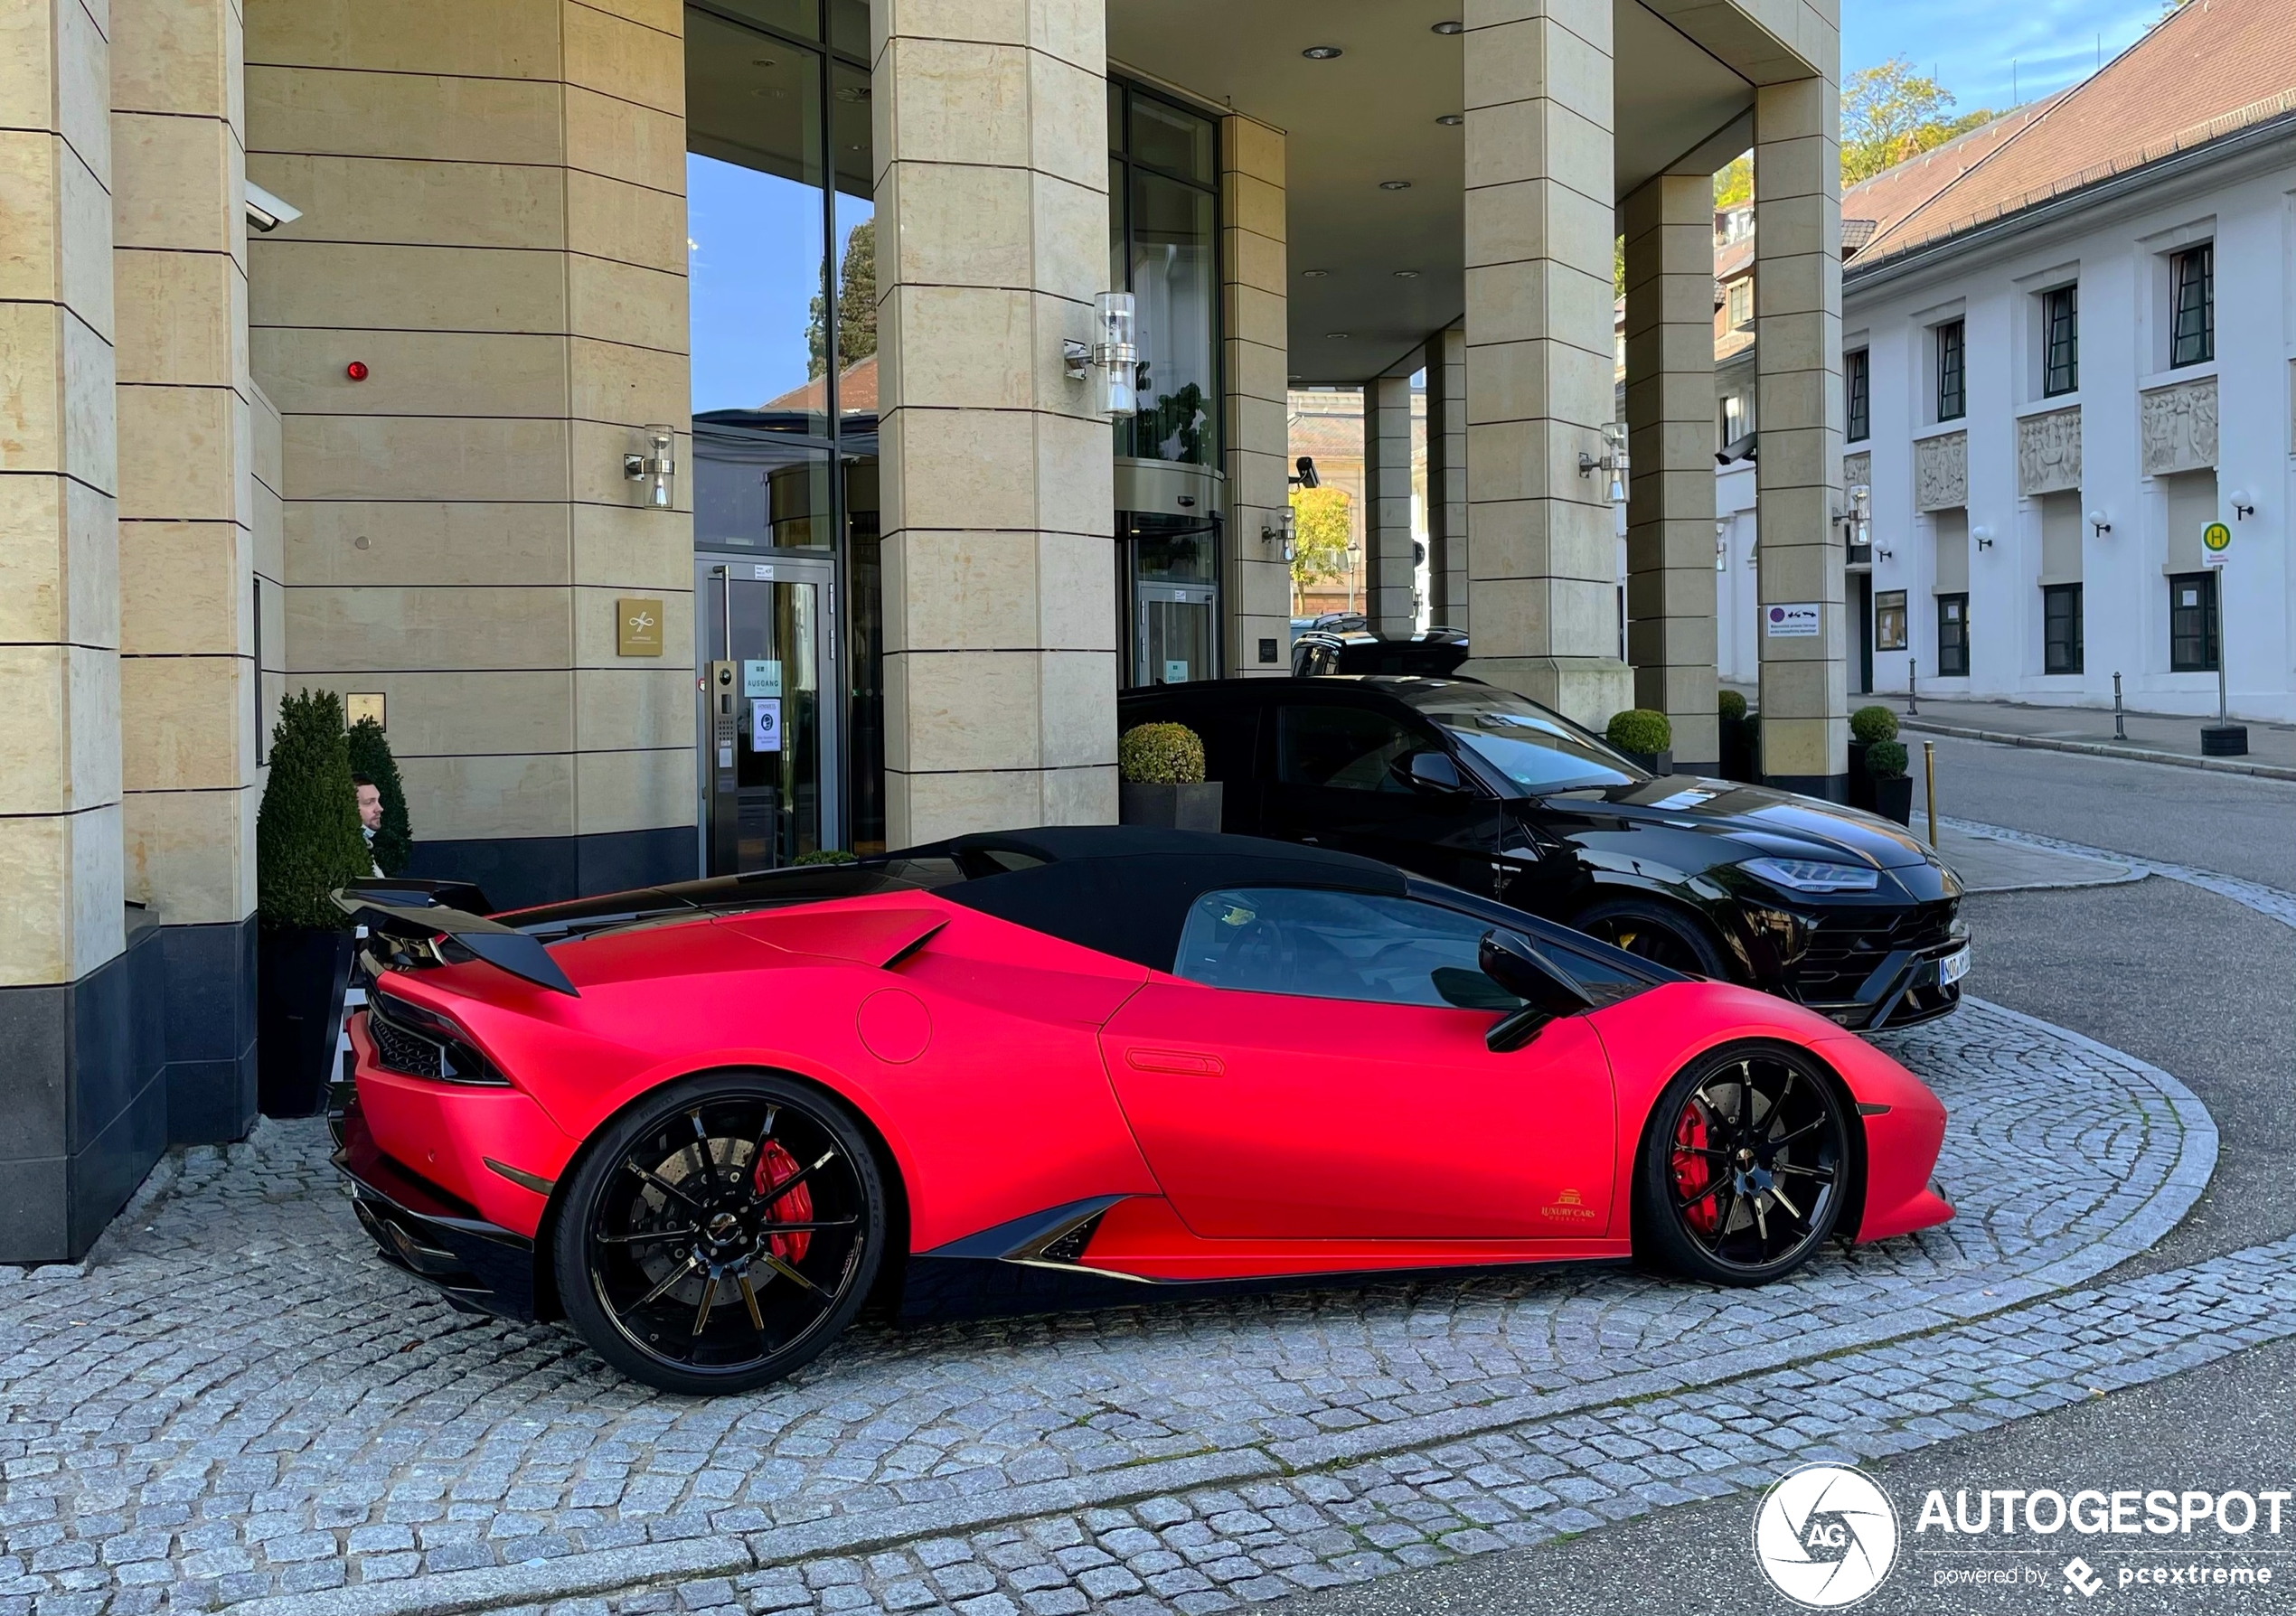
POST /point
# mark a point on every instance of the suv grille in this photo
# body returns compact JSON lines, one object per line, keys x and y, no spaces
{"x":1848,"y":944}
{"x":408,"y":1053}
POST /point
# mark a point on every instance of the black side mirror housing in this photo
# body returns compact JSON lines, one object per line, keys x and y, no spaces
{"x":1428,"y":771}
{"x":1547,"y":989}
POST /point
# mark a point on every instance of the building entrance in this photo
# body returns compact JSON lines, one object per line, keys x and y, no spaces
{"x":771,"y":739}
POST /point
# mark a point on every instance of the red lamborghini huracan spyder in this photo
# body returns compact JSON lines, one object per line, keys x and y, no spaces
{"x":706,"y":1122}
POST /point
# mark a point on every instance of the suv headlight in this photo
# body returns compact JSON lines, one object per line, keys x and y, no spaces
{"x":1814,"y":875}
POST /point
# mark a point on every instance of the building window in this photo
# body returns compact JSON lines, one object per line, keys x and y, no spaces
{"x":1741,"y":301}
{"x":2061,"y":371}
{"x":1889,"y":620}
{"x":1952,"y":636}
{"x":1859,"y":422}
{"x":2193,"y":335}
{"x":1163,"y":218}
{"x":1952,"y":389}
{"x":2061,"y":628}
{"x":2192,"y":623}
{"x":1738,"y":418}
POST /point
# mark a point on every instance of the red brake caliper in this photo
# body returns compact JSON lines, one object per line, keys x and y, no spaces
{"x":1691,"y":1171}
{"x":777,"y":1166}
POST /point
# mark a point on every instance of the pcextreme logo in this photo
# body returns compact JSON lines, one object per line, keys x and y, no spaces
{"x":1825,"y":1535}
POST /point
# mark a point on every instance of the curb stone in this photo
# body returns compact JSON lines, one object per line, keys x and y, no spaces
{"x":2044,"y":743}
{"x":608,"y":1571}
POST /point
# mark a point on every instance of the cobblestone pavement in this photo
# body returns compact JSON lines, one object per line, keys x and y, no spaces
{"x":242,"y":1405}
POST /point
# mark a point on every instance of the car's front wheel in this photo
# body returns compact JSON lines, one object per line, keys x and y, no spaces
{"x":1745,"y":1166}
{"x":720,"y":1233}
{"x":1654,"y":931}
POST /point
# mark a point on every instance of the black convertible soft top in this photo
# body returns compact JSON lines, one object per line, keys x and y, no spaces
{"x":1125,"y":889}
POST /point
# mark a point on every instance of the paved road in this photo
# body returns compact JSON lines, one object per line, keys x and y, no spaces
{"x":2181,"y":977}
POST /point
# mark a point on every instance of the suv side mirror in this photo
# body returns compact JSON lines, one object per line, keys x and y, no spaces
{"x":1428,"y":771}
{"x":1546,"y":990}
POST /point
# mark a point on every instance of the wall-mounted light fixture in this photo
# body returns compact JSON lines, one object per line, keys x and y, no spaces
{"x":1983,"y":535}
{"x":1885,"y":555}
{"x":1721,"y":542}
{"x":2100,"y":522}
{"x":1281,"y":531}
{"x":1856,"y":514}
{"x":1613,"y":459}
{"x":1114,"y":355}
{"x":656,"y":468}
{"x":2244,"y":505}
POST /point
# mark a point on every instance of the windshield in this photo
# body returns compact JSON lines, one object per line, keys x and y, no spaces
{"x":1537,"y":750}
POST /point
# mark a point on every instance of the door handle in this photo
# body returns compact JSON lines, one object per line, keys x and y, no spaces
{"x":1186,"y":1062}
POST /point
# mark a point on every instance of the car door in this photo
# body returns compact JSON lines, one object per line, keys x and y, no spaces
{"x":1315,"y":1069}
{"x":1333,"y":781}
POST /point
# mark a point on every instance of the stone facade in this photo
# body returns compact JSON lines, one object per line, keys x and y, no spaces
{"x":1387,"y":498}
{"x":2048,"y":453}
{"x":1941,"y":473}
{"x":1255,"y":307}
{"x":1447,"y":477}
{"x":2177,"y":428}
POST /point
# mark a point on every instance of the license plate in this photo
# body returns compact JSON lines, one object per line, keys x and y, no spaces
{"x":1953,"y":967}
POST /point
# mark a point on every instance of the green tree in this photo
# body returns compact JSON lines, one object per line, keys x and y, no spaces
{"x":307,"y":832}
{"x":1734,"y":186}
{"x":856,"y":305}
{"x":1322,"y":528}
{"x":370,"y":753}
{"x":1890,"y":113}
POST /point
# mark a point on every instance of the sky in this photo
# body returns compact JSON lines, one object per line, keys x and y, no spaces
{"x":1993,"y":53}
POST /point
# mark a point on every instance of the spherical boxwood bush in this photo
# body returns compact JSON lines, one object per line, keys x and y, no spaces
{"x":1871,"y":724}
{"x":1639,"y":730}
{"x":1160,"y":754}
{"x":1886,"y":760}
{"x":1733,"y":706}
{"x":824,"y":855}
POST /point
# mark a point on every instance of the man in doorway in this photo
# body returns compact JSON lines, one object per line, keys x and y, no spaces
{"x":370,"y":796}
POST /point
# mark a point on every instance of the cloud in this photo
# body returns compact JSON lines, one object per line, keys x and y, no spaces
{"x":1972,"y":45}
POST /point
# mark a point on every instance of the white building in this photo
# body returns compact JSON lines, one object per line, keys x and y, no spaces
{"x":2069,"y":346}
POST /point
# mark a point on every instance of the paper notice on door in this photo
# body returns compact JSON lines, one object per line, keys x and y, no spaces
{"x":765,"y":724}
{"x":760,"y":678}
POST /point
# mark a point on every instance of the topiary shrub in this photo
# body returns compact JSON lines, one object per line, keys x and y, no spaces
{"x":824,"y":855}
{"x":394,"y":843}
{"x":1160,"y":754}
{"x":307,"y":832}
{"x":1885,"y":759}
{"x":1640,"y":730}
{"x":1871,"y":724}
{"x":1732,"y":705}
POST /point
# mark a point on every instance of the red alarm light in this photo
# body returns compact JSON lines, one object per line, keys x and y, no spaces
{"x":356,"y":370}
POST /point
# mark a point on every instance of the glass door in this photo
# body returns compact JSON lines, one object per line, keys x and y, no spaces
{"x":1175,"y":598}
{"x":770,"y":743}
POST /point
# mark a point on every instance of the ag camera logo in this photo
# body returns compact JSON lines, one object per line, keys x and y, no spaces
{"x":1825,"y":1535}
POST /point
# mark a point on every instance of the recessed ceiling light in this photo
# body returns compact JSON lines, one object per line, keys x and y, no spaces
{"x":1452,"y":120}
{"x":1323,"y":52}
{"x":1406,"y":275}
{"x":1449,"y":28}
{"x":1335,"y":336}
{"x":1394,"y":184}
{"x":1314,"y":274}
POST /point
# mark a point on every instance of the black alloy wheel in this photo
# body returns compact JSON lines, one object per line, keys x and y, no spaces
{"x":720,"y":1233}
{"x":1650,"y":931}
{"x":1745,"y":1167}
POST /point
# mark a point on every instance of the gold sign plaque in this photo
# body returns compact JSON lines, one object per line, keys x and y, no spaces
{"x":637,"y":628}
{"x":355,"y":707}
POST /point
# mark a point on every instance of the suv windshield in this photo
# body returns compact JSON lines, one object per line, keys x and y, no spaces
{"x":1538,"y":750}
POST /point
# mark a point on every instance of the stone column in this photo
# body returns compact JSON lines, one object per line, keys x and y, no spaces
{"x":1670,"y":415}
{"x":991,"y":127}
{"x":1805,"y":698}
{"x":1447,"y":477}
{"x":85,"y":1117}
{"x":1388,"y":582}
{"x":186,"y":495}
{"x":493,"y":225}
{"x":1541,"y":222}
{"x":1257,"y":344}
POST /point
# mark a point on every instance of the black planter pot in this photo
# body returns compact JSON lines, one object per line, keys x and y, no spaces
{"x":1741,"y":749}
{"x":1861,"y":783}
{"x":2223,"y":740}
{"x":1194,"y":807}
{"x":1655,"y":763}
{"x":1893,"y":799}
{"x":300,"y":974}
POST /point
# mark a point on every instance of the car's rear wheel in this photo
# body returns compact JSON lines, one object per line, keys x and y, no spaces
{"x":720,"y":1233}
{"x":1745,"y":1167}
{"x":1652,"y":931}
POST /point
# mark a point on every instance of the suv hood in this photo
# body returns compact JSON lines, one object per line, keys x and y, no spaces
{"x":1779,"y":822}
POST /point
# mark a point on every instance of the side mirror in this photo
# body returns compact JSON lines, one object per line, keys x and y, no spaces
{"x":1546,"y":990}
{"x":1428,"y":771}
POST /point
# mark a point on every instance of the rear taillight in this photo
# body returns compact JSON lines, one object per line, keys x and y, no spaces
{"x":415,"y":1042}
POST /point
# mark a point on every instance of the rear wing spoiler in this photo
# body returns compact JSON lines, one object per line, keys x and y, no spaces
{"x":382,"y":909}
